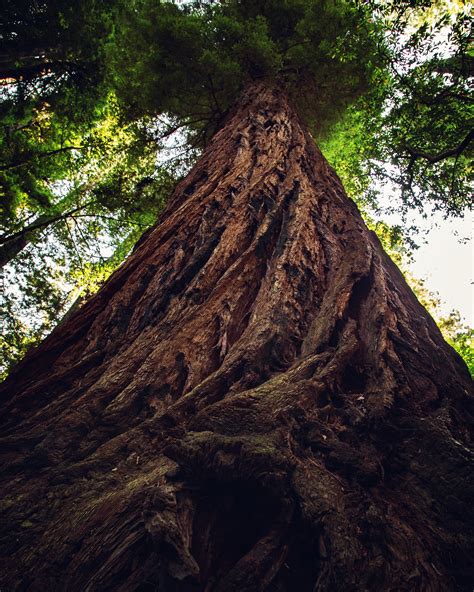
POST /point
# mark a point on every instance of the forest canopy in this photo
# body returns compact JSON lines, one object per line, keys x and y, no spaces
{"x":105,"y":105}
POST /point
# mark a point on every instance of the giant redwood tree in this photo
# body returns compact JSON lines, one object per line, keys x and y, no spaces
{"x":255,"y":400}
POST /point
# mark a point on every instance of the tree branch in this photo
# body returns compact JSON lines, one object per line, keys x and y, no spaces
{"x":434,"y":158}
{"x":15,"y":165}
{"x":41,"y":222}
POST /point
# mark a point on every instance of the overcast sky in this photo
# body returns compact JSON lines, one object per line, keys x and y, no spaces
{"x":445,"y":259}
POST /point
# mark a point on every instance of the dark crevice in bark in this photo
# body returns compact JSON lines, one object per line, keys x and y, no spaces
{"x":240,"y":513}
{"x":195,"y":265}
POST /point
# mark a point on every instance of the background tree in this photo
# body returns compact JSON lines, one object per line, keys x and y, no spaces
{"x":93,"y":211}
{"x":427,"y":133}
{"x":79,"y":183}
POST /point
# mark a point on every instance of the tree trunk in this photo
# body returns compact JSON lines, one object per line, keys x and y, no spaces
{"x":13,"y":244}
{"x":254,"y":401}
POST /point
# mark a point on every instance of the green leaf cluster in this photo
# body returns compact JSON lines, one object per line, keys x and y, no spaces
{"x":192,"y":61}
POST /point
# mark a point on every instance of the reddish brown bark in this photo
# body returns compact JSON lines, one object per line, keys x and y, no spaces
{"x":254,"y":401}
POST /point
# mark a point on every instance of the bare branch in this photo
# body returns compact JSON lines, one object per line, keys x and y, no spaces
{"x":434,"y":158}
{"x":15,"y":165}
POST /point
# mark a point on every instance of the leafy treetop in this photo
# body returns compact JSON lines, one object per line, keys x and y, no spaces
{"x":191,"y":61}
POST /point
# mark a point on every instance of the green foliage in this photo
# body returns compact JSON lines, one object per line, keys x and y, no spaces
{"x":191,"y":62}
{"x":55,"y":37}
{"x":101,"y":214}
{"x":349,"y":148}
{"x":32,"y":303}
{"x":414,"y":134}
{"x":426,"y":134}
{"x":460,"y":336}
{"x":77,"y":193}
{"x":463,"y":343}
{"x":79,"y":182}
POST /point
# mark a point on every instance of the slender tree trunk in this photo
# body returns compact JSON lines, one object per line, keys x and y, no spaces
{"x":12,"y":248}
{"x":254,"y":401}
{"x":13,"y":244}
